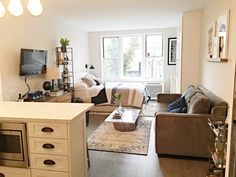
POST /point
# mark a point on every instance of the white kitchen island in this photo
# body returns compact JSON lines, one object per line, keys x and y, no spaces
{"x":68,"y":137}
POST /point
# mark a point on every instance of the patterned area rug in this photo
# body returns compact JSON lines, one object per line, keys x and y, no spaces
{"x":106,"y":138}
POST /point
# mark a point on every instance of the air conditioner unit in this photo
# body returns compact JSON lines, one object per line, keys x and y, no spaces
{"x":154,"y":89}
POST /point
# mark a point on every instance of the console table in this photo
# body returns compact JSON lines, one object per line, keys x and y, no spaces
{"x":64,"y":98}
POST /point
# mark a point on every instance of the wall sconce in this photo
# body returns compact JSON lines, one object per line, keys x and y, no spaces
{"x":88,"y":67}
{"x":15,"y":8}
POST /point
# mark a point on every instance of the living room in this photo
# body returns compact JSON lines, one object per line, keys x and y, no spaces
{"x":45,"y":31}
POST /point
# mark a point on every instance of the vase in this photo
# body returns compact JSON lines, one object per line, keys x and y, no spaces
{"x":63,"y":48}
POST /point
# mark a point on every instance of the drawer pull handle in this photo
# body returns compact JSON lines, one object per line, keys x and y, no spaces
{"x":48,"y":146}
{"x":49,"y":162}
{"x":2,"y":175}
{"x":47,"y":129}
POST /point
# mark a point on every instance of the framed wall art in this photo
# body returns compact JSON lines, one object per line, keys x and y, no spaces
{"x":217,"y":40}
{"x":211,"y":33}
{"x":222,"y":33}
{"x":172,"y":48}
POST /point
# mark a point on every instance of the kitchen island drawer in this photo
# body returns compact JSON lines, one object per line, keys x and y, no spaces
{"x":47,"y":130}
{"x":48,"y":146}
{"x":44,"y":173}
{"x":49,"y":162}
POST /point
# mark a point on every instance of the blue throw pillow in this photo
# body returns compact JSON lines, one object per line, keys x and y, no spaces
{"x":179,"y":110}
{"x":179,"y":103}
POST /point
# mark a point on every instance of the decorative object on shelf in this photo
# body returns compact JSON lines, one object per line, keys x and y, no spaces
{"x":53,"y":74}
{"x":64,"y":43}
{"x":47,"y":86}
{"x":218,"y":38}
{"x":172,"y":49}
{"x":15,"y":7}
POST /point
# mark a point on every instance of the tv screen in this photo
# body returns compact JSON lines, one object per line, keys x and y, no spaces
{"x":33,"y":62}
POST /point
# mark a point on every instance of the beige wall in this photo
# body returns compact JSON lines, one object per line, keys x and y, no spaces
{"x":191,"y":37}
{"x":41,"y":32}
{"x":219,"y":77}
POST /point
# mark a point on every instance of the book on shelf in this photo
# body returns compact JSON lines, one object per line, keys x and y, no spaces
{"x":56,"y":93}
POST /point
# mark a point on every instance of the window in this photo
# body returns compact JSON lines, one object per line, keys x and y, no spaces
{"x":136,"y":57}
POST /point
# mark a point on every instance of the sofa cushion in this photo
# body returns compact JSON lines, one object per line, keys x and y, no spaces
{"x":179,"y":103}
{"x":189,"y":92}
{"x":161,"y":107}
{"x":199,"y":104}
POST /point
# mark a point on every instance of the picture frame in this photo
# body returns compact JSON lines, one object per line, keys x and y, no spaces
{"x":172,"y":49}
{"x":211,"y":33}
{"x":217,"y":38}
{"x":222,"y":29}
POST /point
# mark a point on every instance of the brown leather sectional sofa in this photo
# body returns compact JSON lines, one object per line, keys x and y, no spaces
{"x":185,"y":134}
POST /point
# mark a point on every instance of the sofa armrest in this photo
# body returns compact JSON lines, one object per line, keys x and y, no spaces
{"x":167,"y":97}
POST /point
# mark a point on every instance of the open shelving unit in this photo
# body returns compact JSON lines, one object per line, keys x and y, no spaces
{"x":65,"y":63}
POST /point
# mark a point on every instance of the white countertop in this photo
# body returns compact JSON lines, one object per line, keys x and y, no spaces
{"x":41,"y":111}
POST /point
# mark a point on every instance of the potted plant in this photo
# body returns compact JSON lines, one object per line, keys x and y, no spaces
{"x":64,"y":42}
{"x":117,"y":97}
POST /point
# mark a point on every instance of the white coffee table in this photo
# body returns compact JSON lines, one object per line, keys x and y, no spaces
{"x":127,"y":122}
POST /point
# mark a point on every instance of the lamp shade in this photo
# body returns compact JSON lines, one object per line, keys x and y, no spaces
{"x":2,"y":9}
{"x":53,"y":73}
{"x":15,"y":7}
{"x":35,"y":7}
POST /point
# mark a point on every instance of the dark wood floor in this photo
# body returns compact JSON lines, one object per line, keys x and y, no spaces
{"x":108,"y":164}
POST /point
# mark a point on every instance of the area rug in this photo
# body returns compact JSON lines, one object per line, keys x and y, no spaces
{"x":106,"y":138}
{"x":149,"y":109}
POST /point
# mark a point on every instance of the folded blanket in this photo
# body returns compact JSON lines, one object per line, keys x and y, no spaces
{"x":132,"y":94}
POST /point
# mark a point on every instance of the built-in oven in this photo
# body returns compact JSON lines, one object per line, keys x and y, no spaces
{"x":13,"y":145}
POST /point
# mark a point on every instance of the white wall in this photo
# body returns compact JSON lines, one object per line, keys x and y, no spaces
{"x":95,"y":49}
{"x":219,"y":77}
{"x":190,"y":60}
{"x":41,"y":32}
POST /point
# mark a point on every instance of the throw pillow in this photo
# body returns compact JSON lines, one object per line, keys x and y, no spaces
{"x":189,"y":92}
{"x":179,"y":103}
{"x":199,"y":104}
{"x":88,"y":80}
{"x":179,"y":110}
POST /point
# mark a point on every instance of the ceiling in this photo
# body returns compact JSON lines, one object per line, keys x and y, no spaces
{"x":105,"y":15}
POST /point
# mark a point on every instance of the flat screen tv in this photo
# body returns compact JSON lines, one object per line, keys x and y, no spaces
{"x":33,"y":62}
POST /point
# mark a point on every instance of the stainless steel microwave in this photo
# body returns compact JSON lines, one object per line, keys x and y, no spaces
{"x":13,"y":145}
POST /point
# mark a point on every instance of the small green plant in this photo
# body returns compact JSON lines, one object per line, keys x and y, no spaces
{"x":117,"y":96}
{"x":64,"y":42}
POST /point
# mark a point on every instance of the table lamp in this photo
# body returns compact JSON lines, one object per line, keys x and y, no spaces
{"x":53,"y":74}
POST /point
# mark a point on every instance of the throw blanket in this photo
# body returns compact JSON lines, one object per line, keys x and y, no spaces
{"x":133,"y":94}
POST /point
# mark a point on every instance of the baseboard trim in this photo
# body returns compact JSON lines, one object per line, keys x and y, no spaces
{"x":183,"y":157}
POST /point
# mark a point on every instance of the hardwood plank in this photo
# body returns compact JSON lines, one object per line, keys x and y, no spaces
{"x":108,"y":164}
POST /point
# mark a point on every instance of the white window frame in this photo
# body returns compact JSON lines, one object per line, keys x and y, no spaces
{"x":120,"y":77}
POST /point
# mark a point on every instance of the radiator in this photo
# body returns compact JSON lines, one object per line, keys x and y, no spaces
{"x":154,"y":88}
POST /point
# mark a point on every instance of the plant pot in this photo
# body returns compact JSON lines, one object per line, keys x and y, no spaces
{"x":63,"y":48}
